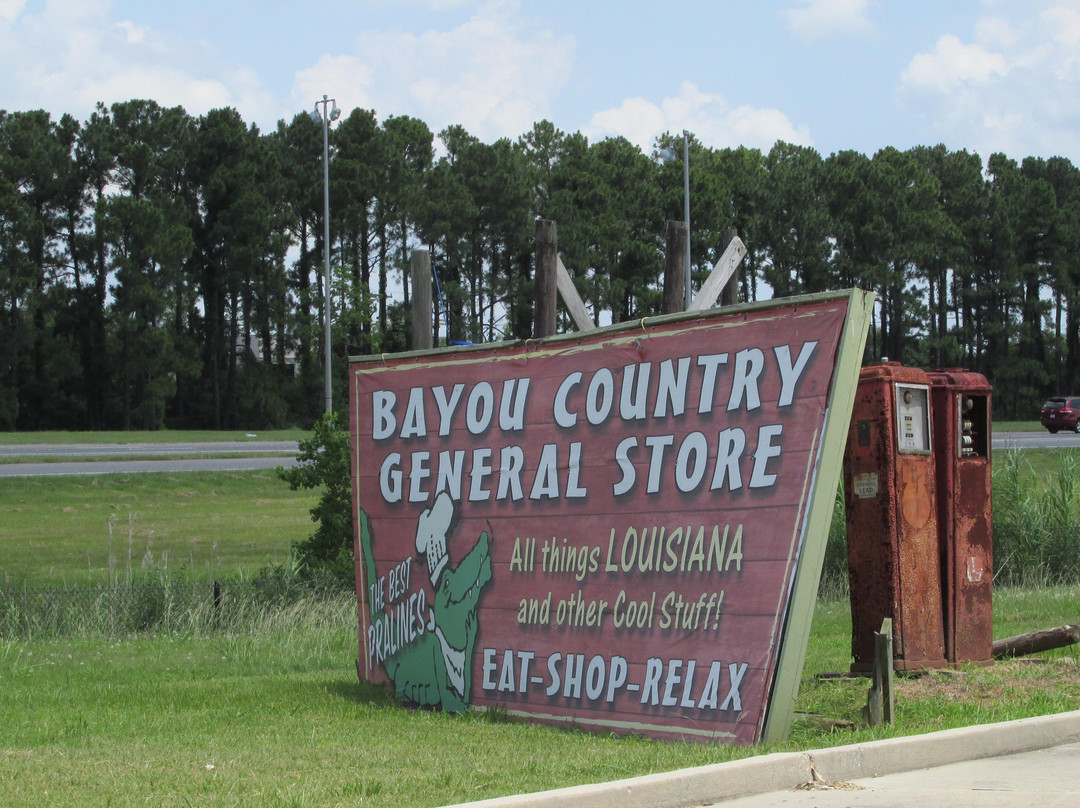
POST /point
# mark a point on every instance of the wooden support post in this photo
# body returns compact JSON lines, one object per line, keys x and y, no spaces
{"x":674,"y":267}
{"x":423,"y":336}
{"x":880,"y":701}
{"x":545,"y":301}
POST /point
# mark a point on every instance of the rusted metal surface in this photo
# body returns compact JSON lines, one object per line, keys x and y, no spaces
{"x":962,"y":432}
{"x":892,"y":524}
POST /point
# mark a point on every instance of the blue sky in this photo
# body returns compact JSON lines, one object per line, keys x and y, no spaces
{"x":982,"y":75}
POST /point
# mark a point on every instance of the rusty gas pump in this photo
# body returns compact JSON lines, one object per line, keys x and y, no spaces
{"x":891,"y":497}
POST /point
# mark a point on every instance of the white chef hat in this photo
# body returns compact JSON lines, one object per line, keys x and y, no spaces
{"x":431,"y":531}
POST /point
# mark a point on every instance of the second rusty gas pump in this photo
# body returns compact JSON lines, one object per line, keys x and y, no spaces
{"x":961,"y":405}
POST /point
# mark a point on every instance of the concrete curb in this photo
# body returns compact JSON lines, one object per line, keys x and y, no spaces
{"x":785,"y":770}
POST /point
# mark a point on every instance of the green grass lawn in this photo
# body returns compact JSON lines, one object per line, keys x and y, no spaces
{"x":66,"y":531}
{"x":273,"y":715}
{"x":941,"y":700}
{"x":1017,"y":426}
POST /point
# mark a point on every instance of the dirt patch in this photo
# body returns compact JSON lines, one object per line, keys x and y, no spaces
{"x":989,"y":686}
{"x":949,"y":685}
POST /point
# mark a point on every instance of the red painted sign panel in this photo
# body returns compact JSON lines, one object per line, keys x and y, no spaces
{"x":601,"y":530}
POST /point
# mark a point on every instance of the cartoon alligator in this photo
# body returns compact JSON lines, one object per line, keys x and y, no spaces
{"x":436,"y":669}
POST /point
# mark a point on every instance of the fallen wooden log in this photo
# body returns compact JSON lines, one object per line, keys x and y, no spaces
{"x":1036,"y":641}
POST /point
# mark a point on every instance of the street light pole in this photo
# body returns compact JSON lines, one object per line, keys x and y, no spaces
{"x":330,"y":112}
{"x":686,"y":211}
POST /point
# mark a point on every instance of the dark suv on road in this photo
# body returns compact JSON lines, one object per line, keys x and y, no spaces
{"x":1061,"y":412}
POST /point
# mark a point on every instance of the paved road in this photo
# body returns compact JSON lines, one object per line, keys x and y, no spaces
{"x":246,"y":447}
{"x":1035,"y":440}
{"x":256,"y":454}
{"x":249,"y":455}
{"x":63,"y":468}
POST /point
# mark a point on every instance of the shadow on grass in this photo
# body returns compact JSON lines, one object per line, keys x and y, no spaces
{"x":361,"y":692}
{"x":381,"y":696}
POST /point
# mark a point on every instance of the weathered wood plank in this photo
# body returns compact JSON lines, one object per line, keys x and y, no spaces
{"x":545,"y":301}
{"x":575,"y":306}
{"x":423,"y":337}
{"x":721,"y":273}
{"x":1036,"y":641}
{"x":674,"y":267}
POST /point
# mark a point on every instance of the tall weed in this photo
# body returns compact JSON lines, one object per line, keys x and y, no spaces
{"x":1036,"y":521}
{"x":158,"y":602}
{"x":834,"y":570}
{"x":1036,"y":526}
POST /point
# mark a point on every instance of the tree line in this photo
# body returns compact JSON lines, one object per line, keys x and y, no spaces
{"x":164,"y":270}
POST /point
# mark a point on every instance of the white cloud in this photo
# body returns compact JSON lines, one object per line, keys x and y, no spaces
{"x":1008,"y":87}
{"x":996,"y":33}
{"x":10,"y":9}
{"x":167,"y":86}
{"x":953,"y":64}
{"x":69,"y":55}
{"x":495,"y":74}
{"x":636,"y":119}
{"x":762,"y":127}
{"x":820,"y":19}
{"x":708,"y":116}
{"x":336,"y":76}
{"x":133,"y":33}
{"x":1065,"y":22}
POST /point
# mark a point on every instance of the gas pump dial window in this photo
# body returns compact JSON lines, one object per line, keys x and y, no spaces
{"x":913,"y":418}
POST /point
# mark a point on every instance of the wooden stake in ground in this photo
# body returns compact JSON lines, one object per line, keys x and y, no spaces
{"x":880,"y":701}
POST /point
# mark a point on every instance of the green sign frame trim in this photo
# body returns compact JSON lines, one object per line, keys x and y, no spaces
{"x":781,"y":707}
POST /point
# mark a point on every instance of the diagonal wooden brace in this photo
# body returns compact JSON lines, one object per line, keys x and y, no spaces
{"x":571,"y":299}
{"x":720,"y":275}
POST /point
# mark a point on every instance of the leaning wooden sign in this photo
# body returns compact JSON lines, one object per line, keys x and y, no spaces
{"x":622,"y":530}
